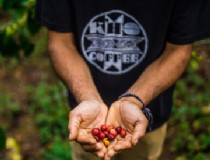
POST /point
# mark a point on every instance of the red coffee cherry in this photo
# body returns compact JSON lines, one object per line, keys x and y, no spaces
{"x":95,"y":131}
{"x":118,"y":129}
{"x":103,"y":127}
{"x":106,"y":133}
{"x":109,"y":127}
{"x":113,"y":132}
{"x":123,"y":133}
{"x":101,"y":135}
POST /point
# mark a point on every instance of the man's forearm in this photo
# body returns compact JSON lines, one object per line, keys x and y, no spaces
{"x":162,"y":73}
{"x":71,"y":68}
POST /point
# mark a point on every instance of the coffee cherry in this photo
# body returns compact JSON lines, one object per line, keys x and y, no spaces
{"x":103,"y":127}
{"x":95,"y":131}
{"x":97,"y":138}
{"x":106,"y":142}
{"x":113,"y":132}
{"x":110,"y":137}
{"x":123,"y":133}
{"x":109,"y":127}
{"x":106,"y":133}
{"x":118,"y":129}
{"x":101,"y":135}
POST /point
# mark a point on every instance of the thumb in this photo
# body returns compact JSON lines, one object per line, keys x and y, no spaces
{"x":139,"y":131}
{"x":74,"y":125}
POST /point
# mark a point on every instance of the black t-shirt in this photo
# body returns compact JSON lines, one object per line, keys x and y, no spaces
{"x":119,"y":39}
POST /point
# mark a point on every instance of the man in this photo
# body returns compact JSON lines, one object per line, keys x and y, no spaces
{"x":102,"y":49}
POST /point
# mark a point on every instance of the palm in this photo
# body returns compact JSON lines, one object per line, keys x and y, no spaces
{"x":87,"y":115}
{"x":91,"y":116}
{"x":130,"y":117}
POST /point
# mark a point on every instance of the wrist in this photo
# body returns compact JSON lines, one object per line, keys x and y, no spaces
{"x":132,"y":100}
{"x":88,"y":97}
{"x":136,"y":99}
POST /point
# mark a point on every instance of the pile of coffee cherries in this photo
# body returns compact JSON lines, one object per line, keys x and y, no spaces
{"x":106,"y":134}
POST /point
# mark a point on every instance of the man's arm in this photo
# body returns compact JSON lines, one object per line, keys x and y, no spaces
{"x":70,"y":66}
{"x":162,"y":73}
{"x":91,"y":112}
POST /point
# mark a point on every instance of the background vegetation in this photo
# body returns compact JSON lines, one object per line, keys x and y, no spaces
{"x":33,"y":105}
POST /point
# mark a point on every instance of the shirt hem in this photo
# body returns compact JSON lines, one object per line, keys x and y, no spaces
{"x":190,"y":40}
{"x":52,"y":26}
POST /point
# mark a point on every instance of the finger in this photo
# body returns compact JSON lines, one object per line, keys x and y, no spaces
{"x":111,"y":151}
{"x":122,"y":145}
{"x":139,"y":131}
{"x":92,"y":147}
{"x":101,"y":154}
{"x":74,"y":123}
{"x":85,"y":139}
{"x":107,"y":157}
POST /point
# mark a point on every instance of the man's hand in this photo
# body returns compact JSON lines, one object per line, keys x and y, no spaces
{"x":128,"y":115}
{"x":88,"y":115}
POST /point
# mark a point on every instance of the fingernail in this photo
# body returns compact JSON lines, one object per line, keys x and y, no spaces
{"x":69,"y":135}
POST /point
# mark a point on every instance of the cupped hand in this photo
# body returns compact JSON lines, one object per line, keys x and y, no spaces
{"x":86,"y":116}
{"x":128,"y":115}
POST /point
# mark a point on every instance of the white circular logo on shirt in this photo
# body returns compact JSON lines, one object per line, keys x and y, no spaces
{"x":114,"y":42}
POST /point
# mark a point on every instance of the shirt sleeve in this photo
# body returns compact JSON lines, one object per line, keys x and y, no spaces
{"x":54,"y":14}
{"x":190,"y":21}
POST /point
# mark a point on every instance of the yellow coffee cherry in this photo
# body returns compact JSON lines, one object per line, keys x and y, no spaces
{"x":106,"y":142}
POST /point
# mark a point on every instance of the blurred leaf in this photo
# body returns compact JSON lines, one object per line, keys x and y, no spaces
{"x":33,"y":27}
{"x":196,"y":79}
{"x":205,"y":109}
{"x":204,"y":140}
{"x":181,"y":158}
{"x":19,"y":23}
{"x":194,"y":65}
{"x":200,"y":156}
{"x":26,"y":45}
{"x":17,"y":13}
{"x":195,"y":110}
{"x":1,"y":3}
{"x":7,"y":4}
{"x":14,"y":148}
{"x":7,"y":50}
{"x":2,"y":140}
{"x":178,"y":144}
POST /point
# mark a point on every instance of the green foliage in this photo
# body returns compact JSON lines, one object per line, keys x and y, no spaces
{"x":191,"y":114}
{"x":2,"y":140}
{"x":9,"y":108}
{"x":17,"y":27}
{"x":60,"y":150}
{"x":48,"y":104}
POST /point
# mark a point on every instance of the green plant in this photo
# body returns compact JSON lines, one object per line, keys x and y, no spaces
{"x":48,"y":105}
{"x":9,"y":108}
{"x":2,"y":140}
{"x":2,"y":143}
{"x":17,"y":27}
{"x":191,"y":114}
